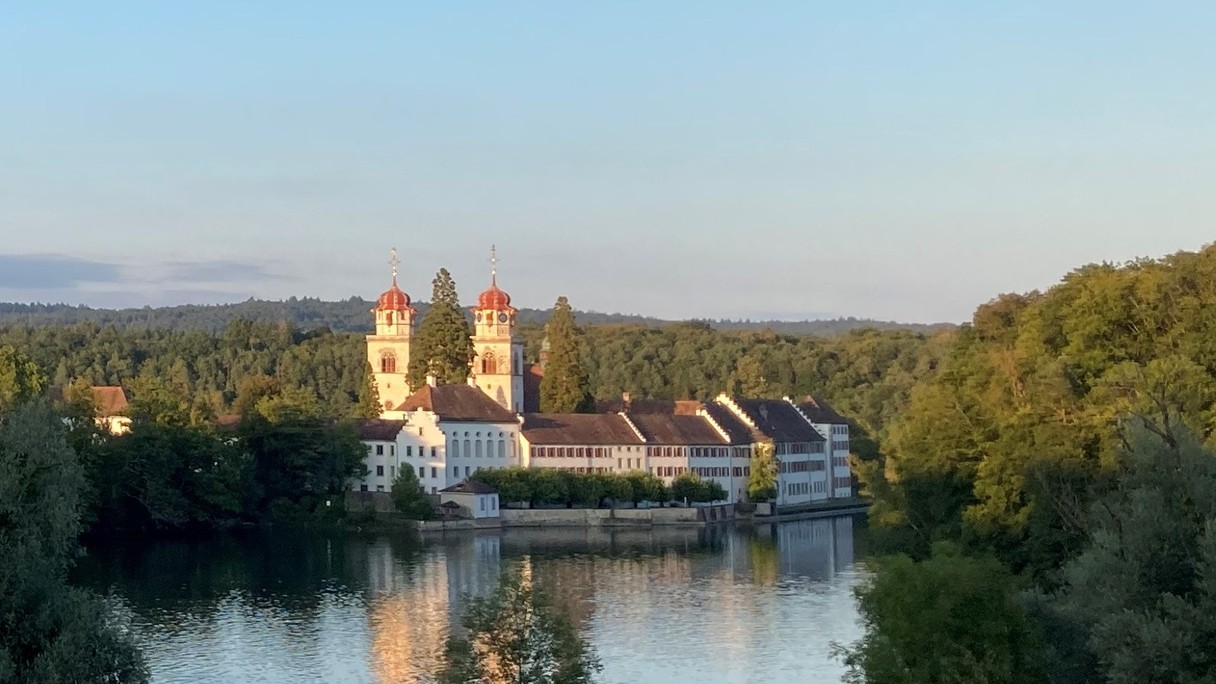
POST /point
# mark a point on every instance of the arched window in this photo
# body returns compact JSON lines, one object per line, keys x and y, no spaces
{"x":388,"y":317}
{"x":388,"y":362}
{"x":455,"y":448}
{"x":468,"y":449}
{"x":477,"y":446}
{"x":489,"y":364}
{"x":502,"y":449}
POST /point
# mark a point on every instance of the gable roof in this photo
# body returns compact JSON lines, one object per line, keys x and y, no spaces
{"x":682,"y":407}
{"x":108,"y":400}
{"x":470,"y":487}
{"x":738,"y":431}
{"x":463,"y":403}
{"x":378,"y":430}
{"x":660,"y":428}
{"x":818,"y":411}
{"x":578,"y":428}
{"x":778,"y":420}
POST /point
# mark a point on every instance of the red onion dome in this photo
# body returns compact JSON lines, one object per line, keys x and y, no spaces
{"x":494,"y":299}
{"x":393,"y":299}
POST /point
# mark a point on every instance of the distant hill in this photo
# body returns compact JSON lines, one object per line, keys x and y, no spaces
{"x":351,"y":315}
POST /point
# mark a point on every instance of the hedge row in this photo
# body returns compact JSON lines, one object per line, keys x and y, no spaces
{"x":550,"y":487}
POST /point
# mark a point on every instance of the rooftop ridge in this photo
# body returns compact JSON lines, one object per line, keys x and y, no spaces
{"x":633,"y":426}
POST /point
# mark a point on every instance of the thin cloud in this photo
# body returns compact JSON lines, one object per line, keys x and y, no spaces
{"x":218,"y":272}
{"x":54,"y":272}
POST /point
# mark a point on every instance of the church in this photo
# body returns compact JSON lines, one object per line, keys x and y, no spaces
{"x":445,"y":433}
{"x":498,"y":366}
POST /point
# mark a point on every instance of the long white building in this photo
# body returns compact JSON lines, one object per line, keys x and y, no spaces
{"x":445,"y":433}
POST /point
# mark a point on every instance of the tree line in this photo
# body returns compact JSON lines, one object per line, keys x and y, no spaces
{"x":1051,"y":489}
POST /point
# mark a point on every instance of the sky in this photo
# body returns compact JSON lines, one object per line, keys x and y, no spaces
{"x":770,"y":160}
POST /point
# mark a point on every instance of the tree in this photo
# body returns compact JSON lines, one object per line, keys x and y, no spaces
{"x":443,"y":345}
{"x":762,"y":480}
{"x":300,"y":462}
{"x":1143,"y":593}
{"x":689,"y":486}
{"x":49,"y":632}
{"x":749,"y":380}
{"x":565,"y":386}
{"x":368,"y":404}
{"x":517,"y":636}
{"x":947,"y":619}
{"x":408,"y":498}
{"x":20,"y":379}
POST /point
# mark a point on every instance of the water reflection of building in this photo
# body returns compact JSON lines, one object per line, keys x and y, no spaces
{"x":620,"y":587}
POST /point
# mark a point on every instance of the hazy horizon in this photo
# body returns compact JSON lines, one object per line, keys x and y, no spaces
{"x":678,"y":160}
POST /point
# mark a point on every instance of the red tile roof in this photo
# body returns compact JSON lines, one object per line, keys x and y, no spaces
{"x":578,"y":428}
{"x":676,"y":429}
{"x":463,"y":403}
{"x":377,"y":430}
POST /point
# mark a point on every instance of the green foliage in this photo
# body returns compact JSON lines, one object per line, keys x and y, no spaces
{"x":408,"y":497}
{"x":48,"y":631}
{"x":517,"y":635}
{"x":565,"y":387}
{"x":442,"y":345}
{"x":690,"y":487}
{"x":300,"y":463}
{"x":762,"y":478}
{"x":551,"y":487}
{"x":1144,"y":589}
{"x":368,"y":404}
{"x":163,"y":476}
{"x":1023,"y":422}
{"x":948,"y":619}
{"x":20,"y":378}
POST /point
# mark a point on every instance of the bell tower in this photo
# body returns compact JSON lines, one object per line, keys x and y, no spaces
{"x":498,"y":366}
{"x":388,"y":349}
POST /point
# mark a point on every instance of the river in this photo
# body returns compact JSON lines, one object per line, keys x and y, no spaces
{"x":716,"y":606}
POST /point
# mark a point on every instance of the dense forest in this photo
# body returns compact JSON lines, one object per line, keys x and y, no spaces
{"x":1052,"y":487}
{"x":351,"y":315}
{"x":867,"y":374}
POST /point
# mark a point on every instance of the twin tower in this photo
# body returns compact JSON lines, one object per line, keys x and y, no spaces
{"x":498,"y":364}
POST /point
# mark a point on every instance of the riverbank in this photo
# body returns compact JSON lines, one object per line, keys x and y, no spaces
{"x":618,"y":518}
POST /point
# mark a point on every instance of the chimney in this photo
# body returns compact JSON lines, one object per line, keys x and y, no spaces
{"x":764,"y":412}
{"x":431,"y":380}
{"x":625,"y":400}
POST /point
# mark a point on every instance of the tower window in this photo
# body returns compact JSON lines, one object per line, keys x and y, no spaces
{"x":489,"y":364}
{"x":388,"y":362}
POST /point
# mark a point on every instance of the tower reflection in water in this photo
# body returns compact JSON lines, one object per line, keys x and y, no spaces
{"x":674,"y":594}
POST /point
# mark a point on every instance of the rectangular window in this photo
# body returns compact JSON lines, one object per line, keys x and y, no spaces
{"x":434,"y":472}
{"x":392,"y":450}
{"x":409,"y":451}
{"x":379,"y":488}
{"x":392,"y":472}
{"x":421,"y":471}
{"x":379,"y":471}
{"x":379,"y":449}
{"x":433,"y":452}
{"x":466,"y":471}
{"x":482,"y":501}
{"x":455,"y":471}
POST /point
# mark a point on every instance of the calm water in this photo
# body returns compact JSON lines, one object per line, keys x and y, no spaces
{"x":712,"y":606}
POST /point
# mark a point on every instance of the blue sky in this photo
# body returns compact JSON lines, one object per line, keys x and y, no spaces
{"x":894,"y":160}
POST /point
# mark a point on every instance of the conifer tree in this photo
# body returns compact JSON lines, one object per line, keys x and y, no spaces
{"x":368,"y":405}
{"x":565,"y":387}
{"x":444,"y":344}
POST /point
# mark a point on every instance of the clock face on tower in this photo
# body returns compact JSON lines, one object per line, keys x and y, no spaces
{"x":502,"y":318}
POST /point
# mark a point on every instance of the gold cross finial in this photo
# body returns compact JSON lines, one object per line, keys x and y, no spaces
{"x":493,"y":265}
{"x":394,"y":262}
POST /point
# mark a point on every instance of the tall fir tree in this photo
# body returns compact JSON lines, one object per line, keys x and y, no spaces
{"x":368,"y":404}
{"x":444,"y":343}
{"x":565,"y":387}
